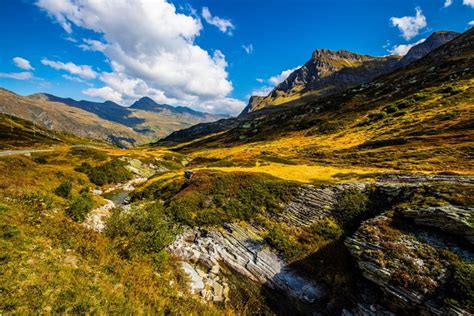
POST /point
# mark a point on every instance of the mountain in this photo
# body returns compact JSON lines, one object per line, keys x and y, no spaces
{"x":59,"y":116}
{"x":142,"y":122}
{"x":300,"y":81}
{"x":16,"y":133}
{"x":329,"y":72}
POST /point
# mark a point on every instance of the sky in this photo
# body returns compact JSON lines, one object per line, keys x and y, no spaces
{"x":210,"y":55}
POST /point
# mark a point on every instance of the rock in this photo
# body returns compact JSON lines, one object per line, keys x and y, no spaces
{"x":242,"y":250}
{"x":408,"y":269}
{"x":448,"y":218}
{"x":188,"y":174}
{"x":196,"y":283}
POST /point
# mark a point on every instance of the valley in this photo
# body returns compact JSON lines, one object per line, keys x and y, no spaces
{"x":349,"y":199}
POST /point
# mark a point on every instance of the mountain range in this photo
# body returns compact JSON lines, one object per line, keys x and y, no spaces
{"x":144,"y":121}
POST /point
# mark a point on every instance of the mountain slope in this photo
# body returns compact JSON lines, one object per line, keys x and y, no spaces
{"x":145,"y":117}
{"x":17,"y":133}
{"x":329,"y":72}
{"x":61,"y":117}
{"x":420,"y":112}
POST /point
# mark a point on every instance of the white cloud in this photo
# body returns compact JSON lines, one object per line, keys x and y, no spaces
{"x":260,"y":80}
{"x":471,"y":23}
{"x":224,"y":25}
{"x":262,"y":91}
{"x":92,"y":45}
{"x":17,"y":75}
{"x":410,"y":25}
{"x":83,"y":71}
{"x":76,"y":79}
{"x":277,"y":79}
{"x":248,"y":48}
{"x":105,"y":93}
{"x":22,"y":63}
{"x":402,"y":50}
{"x":447,"y":3}
{"x":157,"y":56}
{"x":469,"y":3}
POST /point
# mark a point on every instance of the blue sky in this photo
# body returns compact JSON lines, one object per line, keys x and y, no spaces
{"x":210,"y":55}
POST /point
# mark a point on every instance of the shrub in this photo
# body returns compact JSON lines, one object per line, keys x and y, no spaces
{"x":40,"y":160}
{"x":113,"y":171}
{"x":461,"y":285}
{"x":140,"y":232}
{"x":3,"y":208}
{"x":326,"y":228}
{"x":80,"y":207}
{"x":350,"y":206}
{"x":64,"y":189}
{"x":279,"y":240}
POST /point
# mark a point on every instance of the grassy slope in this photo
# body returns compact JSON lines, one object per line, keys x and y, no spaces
{"x":415,"y":119}
{"x":51,"y":264}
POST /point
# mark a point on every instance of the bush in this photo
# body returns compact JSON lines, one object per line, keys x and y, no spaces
{"x":326,"y":228}
{"x":350,"y":206}
{"x":280,"y":240}
{"x":3,"y":208}
{"x":140,"y":232}
{"x":113,"y":171}
{"x":80,"y":207}
{"x":461,"y":285}
{"x":64,"y":189}
{"x":40,"y":160}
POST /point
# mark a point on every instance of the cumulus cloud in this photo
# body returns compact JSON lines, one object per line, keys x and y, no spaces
{"x":156,"y":57}
{"x":224,"y":25}
{"x":402,"y":50}
{"x":447,"y":3}
{"x":469,"y":3}
{"x":410,"y":26}
{"x":17,"y":75}
{"x":471,"y":23}
{"x":83,"y":71}
{"x":275,"y":80}
{"x":105,"y":93}
{"x":248,"y":48}
{"x":22,"y":63}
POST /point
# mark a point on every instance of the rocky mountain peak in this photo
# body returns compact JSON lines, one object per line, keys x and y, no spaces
{"x":434,"y":41}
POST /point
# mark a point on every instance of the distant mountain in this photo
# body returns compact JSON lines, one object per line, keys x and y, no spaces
{"x":329,"y":72}
{"x":144,"y":121}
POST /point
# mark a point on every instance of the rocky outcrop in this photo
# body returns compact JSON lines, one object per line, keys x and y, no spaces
{"x":243,"y":250}
{"x":408,"y":267}
{"x":312,"y":204}
{"x":450,"y":219}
